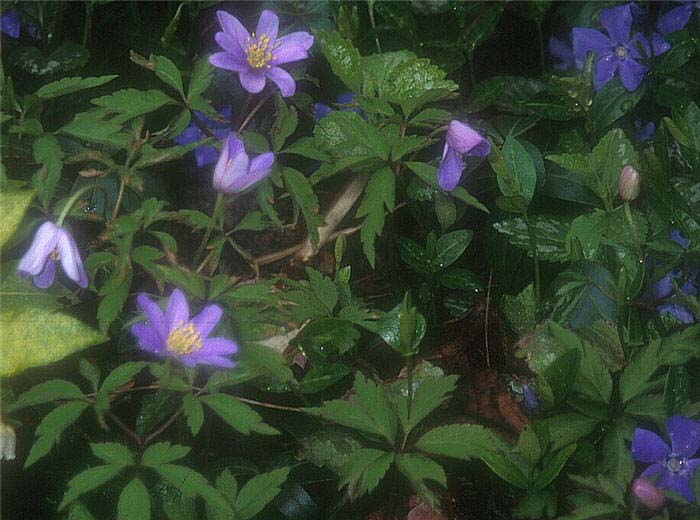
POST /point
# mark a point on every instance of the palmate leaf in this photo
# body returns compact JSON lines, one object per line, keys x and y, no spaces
{"x":90,"y":479}
{"x":238,"y":415}
{"x":379,"y":193}
{"x":431,"y":393}
{"x":112,"y":453}
{"x":129,"y":103}
{"x":364,"y":470}
{"x":48,"y":153}
{"x":52,"y":426}
{"x":460,"y":441}
{"x":191,"y":484}
{"x":71,"y":85}
{"x":134,"y":502}
{"x":258,"y":492}
{"x":343,"y":57}
{"x":418,"y":469}
{"x":163,"y":453}
{"x":47,"y":392}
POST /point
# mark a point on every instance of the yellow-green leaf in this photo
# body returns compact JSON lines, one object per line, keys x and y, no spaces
{"x":15,"y":202}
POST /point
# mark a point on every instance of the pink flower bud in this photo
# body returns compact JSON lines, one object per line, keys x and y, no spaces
{"x":648,"y":494}
{"x":629,"y":184}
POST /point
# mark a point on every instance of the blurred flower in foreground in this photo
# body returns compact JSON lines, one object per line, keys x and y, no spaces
{"x":174,"y":334}
{"x":648,"y":494}
{"x":643,"y":132}
{"x":256,"y":56}
{"x":8,"y":441}
{"x":673,"y":465}
{"x":235,"y":171}
{"x":616,"y":51}
{"x":461,"y":140}
{"x":10,"y":24}
{"x":629,"y":184}
{"x":52,"y":244}
{"x":563,"y":55}
{"x":321,"y":110}
{"x":205,"y":154}
{"x":666,"y":286}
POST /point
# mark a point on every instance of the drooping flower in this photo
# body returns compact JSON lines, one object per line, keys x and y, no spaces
{"x":616,"y":51}
{"x":8,"y":441}
{"x":643,"y":132}
{"x":629,"y":184}
{"x":173,"y":334}
{"x":648,"y":494}
{"x":205,"y":154}
{"x":257,"y":56}
{"x":321,"y":110}
{"x":235,"y":171}
{"x":10,"y":24}
{"x":673,"y":466}
{"x":563,"y":55}
{"x":52,"y":244}
{"x":461,"y":140}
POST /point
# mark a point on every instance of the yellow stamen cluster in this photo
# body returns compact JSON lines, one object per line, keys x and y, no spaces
{"x":54,"y":255}
{"x":259,"y":51}
{"x":184,"y":339}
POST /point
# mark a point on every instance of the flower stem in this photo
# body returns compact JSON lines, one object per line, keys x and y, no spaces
{"x":71,"y":202}
{"x":374,"y":25}
{"x":249,"y":117}
{"x":630,"y":221}
{"x":218,"y":211}
{"x":536,"y":258}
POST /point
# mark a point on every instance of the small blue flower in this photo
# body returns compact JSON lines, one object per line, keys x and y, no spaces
{"x":205,"y":154}
{"x":643,"y":132}
{"x":321,"y":110}
{"x":530,"y":398}
{"x":10,"y":24}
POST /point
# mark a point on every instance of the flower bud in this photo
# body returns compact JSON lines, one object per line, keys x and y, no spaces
{"x":648,"y":494}
{"x":629,"y":184}
{"x":7,"y":442}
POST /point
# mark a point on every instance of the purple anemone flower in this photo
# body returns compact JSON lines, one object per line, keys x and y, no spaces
{"x":256,"y":57}
{"x":10,"y":24}
{"x":174,"y":334}
{"x":616,"y":51}
{"x":675,"y":18}
{"x":321,"y":110}
{"x":563,"y":55}
{"x":235,"y":171}
{"x":52,"y":244}
{"x":673,"y":465}
{"x":205,"y":154}
{"x":461,"y":140}
{"x":643,"y":132}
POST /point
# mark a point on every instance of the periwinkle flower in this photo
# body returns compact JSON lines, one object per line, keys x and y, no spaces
{"x":235,"y":171}
{"x":675,"y":18}
{"x":679,"y":238}
{"x":643,"y":132}
{"x":10,"y":24}
{"x":673,"y":466}
{"x":648,"y":494}
{"x":257,"y":56}
{"x":616,"y":51}
{"x":205,"y":154}
{"x":321,"y":110}
{"x":678,"y":311}
{"x":461,"y":140}
{"x":52,"y":244}
{"x":174,"y":334}
{"x":629,"y":184}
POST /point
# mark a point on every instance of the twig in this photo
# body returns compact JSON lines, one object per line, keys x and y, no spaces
{"x":162,"y":428}
{"x":486,"y":321}
{"x":249,"y":117}
{"x":267,"y":405}
{"x":123,"y":427}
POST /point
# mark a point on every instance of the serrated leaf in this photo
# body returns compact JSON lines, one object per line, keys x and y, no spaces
{"x":52,"y":426}
{"x":429,"y":395}
{"x":129,"y":103}
{"x":343,"y":58}
{"x":112,"y":453}
{"x":163,"y":453}
{"x":118,"y":377}
{"x":364,"y":470}
{"x":191,"y":483}
{"x":194,"y":413}
{"x":88,"y":480}
{"x":48,"y":392}
{"x":303,"y":195}
{"x":258,"y":492}
{"x":49,"y":154}
{"x":379,"y":193}
{"x":167,"y":71}
{"x":459,"y":441}
{"x":284,"y":125}
{"x":550,"y":235}
{"x":134,"y":502}
{"x":238,"y":415}
{"x":418,"y":469}
{"x":71,"y":85}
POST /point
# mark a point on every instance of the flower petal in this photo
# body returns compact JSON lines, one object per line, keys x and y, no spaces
{"x":154,"y":315}
{"x":562,"y":54}
{"x":252,"y":80}
{"x":680,"y":312}
{"x":288,"y":54}
{"x":587,"y":40}
{"x":189,"y":135}
{"x":283,"y":80}
{"x":43,"y":244}
{"x":685,"y":435}
{"x":234,"y":28}
{"x":232,"y":47}
{"x":268,"y":25}
{"x":605,"y":70}
{"x":70,"y":259}
{"x":450,"y":170}
{"x":45,"y":278}
{"x":178,"y":311}
{"x":618,"y":22}
{"x":300,"y":38}
{"x":648,"y":447}
{"x":663,"y":287}
{"x":206,"y":320}
{"x":232,"y":164}
{"x":678,"y":483}
{"x":679,"y":238}
{"x":654,"y":469}
{"x":218,"y":346}
{"x":10,"y":24}
{"x":148,"y":338}
{"x":465,"y":140}
{"x":632,"y":74}
{"x":227,"y":61}
{"x":205,"y":155}
{"x":674,"y":19}
{"x":321,"y":110}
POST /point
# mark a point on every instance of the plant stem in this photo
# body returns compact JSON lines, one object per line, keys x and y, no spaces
{"x":630,"y":221}
{"x":120,"y":196}
{"x":87,"y":23}
{"x":218,"y":209}
{"x":374,"y":25}
{"x":123,"y":427}
{"x":71,"y":202}
{"x":470,"y":66}
{"x":249,"y":117}
{"x":536,"y":257}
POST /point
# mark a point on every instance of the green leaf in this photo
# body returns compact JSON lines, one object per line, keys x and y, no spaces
{"x":112,"y":453}
{"x":389,"y":328}
{"x":129,"y":103}
{"x":459,"y":441}
{"x":343,"y":133}
{"x":267,"y":361}
{"x":79,"y":512}
{"x":258,"y":492}
{"x":192,"y":409}
{"x":191,"y":484}
{"x":116,"y":378}
{"x":52,"y":426}
{"x":450,"y":246}
{"x":364,"y":470}
{"x":417,"y":469}
{"x":285,"y":123}
{"x":343,"y":58}
{"x":238,"y":415}
{"x":612,"y":102}
{"x":163,"y":453}
{"x":48,"y":392}
{"x":115,"y":292}
{"x":429,"y":395}
{"x":90,"y":372}
{"x":520,"y":311}
{"x":379,"y":193}
{"x":550,"y":235}
{"x":502,"y":465}
{"x":71,"y":85}
{"x":49,"y":154}
{"x":90,"y":479}
{"x":201,"y":78}
{"x":134,"y":502}
{"x":516,"y":173}
{"x":553,"y":466}
{"x":168,"y":72}
{"x":88,"y":126}
{"x":305,"y":199}
{"x":15,"y":202}
{"x":639,"y":371}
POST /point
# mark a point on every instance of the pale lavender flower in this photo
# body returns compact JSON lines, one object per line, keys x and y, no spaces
{"x":673,"y":466}
{"x":616,"y":51}
{"x":257,"y":56}
{"x":235,"y":171}
{"x":461,"y":140}
{"x":173,"y":334}
{"x":52,"y":244}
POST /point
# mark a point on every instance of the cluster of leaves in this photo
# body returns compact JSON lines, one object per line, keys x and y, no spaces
{"x":332,"y":383}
